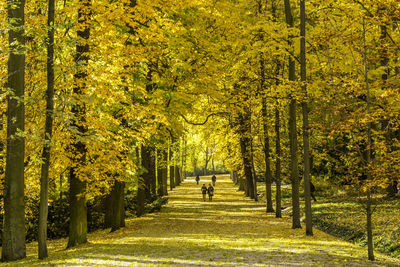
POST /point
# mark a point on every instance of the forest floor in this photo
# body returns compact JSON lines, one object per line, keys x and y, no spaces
{"x":229,"y":231}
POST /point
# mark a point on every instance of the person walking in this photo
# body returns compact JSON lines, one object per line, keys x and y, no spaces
{"x":210,"y":191}
{"x":197,"y":179}
{"x":312,"y":190}
{"x":213,"y":179}
{"x":204,"y":191}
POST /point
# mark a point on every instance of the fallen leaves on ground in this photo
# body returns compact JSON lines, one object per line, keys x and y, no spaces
{"x":230,"y":231}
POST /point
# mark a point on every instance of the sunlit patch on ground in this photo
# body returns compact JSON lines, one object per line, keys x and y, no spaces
{"x":230,"y":231}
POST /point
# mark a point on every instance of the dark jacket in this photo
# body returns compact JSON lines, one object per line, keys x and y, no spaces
{"x":210,"y":190}
{"x":204,"y":189}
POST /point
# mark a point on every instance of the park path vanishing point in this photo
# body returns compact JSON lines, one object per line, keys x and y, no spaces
{"x":230,"y":231}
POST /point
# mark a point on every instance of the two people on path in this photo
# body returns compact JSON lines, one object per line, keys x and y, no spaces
{"x":209,"y":191}
{"x":213,"y":179}
{"x":197,"y":179}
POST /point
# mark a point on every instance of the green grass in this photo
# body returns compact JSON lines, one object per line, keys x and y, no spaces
{"x":344,"y":216}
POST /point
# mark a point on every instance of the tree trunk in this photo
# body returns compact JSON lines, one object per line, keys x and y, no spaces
{"x":13,"y":239}
{"x":140,"y":194}
{"x":278,"y":197}
{"x":78,"y":219}
{"x":78,"y":210}
{"x":244,"y":121}
{"x":268,"y":174}
{"x":44,"y":178}
{"x":235,"y":178}
{"x":159,"y":168}
{"x":294,"y":172}
{"x":165,"y":172}
{"x":118,"y":200}
{"x":253,"y":171}
{"x":148,"y":162}
{"x":241,"y":184}
{"x":371,"y":256}
{"x":370,"y":242}
{"x":177,"y":172}
{"x":171,"y":168}
{"x":306,"y":140}
{"x":114,"y":217}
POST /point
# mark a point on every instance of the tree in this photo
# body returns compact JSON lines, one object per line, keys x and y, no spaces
{"x":78,"y":209}
{"x":294,"y":173}
{"x":306,"y":139}
{"x":115,"y":207}
{"x":13,"y":238}
{"x":44,"y":178}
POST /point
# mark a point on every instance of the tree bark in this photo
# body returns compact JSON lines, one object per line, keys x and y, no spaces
{"x":371,"y":256}
{"x":278,"y":198}
{"x":148,"y":163}
{"x":244,"y":131}
{"x":306,"y":139}
{"x":44,"y":178}
{"x":268,"y":174}
{"x":13,"y":239}
{"x":140,"y":194}
{"x":78,"y":209}
{"x":78,"y":217}
{"x":171,"y":168}
{"x":294,"y":172}
{"x":114,"y":217}
{"x":165,"y":172}
{"x":118,"y":200}
{"x":253,"y":171}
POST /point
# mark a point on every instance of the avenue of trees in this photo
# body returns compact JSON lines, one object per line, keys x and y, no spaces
{"x":101,"y":98}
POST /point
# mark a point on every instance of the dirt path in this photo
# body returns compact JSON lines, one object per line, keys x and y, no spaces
{"x":230,"y":231}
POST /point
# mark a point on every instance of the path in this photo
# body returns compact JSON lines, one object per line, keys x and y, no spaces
{"x":230,"y":231}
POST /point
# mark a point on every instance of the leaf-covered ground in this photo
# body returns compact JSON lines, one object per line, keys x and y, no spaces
{"x":230,"y":231}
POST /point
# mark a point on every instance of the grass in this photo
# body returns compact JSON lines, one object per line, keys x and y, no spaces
{"x":344,"y":216}
{"x":230,"y":231}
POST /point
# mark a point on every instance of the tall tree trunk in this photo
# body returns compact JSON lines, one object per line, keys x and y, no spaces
{"x":13,"y":239}
{"x":114,"y":217}
{"x":371,"y":256}
{"x":171,"y":168}
{"x":44,"y":178}
{"x":253,"y":170}
{"x":118,"y":200}
{"x":294,"y":172}
{"x":242,"y":186}
{"x":152,"y":171}
{"x":306,"y":140}
{"x":268,"y":174}
{"x":78,"y":210}
{"x":165,"y":172}
{"x":78,"y":216}
{"x":278,"y":197}
{"x":177,"y":175}
{"x":159,"y":169}
{"x":176,"y":163}
{"x":244,"y":122}
{"x":148,"y":175}
{"x":140,"y":194}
